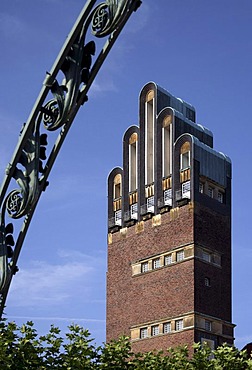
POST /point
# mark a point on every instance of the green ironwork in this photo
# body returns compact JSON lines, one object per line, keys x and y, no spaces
{"x":55,"y":109}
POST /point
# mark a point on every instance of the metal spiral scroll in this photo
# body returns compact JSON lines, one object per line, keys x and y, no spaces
{"x":107,"y":16}
{"x":56,"y":108}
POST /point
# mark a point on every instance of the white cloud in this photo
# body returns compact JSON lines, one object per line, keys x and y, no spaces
{"x":44,"y":283}
{"x":11,"y":25}
{"x":139,"y":19}
{"x":104,"y":85}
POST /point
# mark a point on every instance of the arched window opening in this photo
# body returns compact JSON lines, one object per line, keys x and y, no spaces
{"x":185,"y":163}
{"x":133,"y":162}
{"x":167,"y":146}
{"x":149,"y":137}
{"x":185,"y":157}
{"x":117,"y":201}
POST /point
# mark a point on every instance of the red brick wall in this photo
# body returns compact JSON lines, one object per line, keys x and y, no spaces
{"x":213,"y":231}
{"x":169,"y":291}
{"x":165,"y":341}
{"x":154,"y":295}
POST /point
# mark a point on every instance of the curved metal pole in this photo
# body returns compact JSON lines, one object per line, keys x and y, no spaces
{"x":56,"y":107}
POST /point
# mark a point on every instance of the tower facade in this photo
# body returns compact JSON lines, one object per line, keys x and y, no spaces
{"x":169,"y":231}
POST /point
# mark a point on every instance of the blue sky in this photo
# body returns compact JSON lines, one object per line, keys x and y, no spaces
{"x":199,"y":50}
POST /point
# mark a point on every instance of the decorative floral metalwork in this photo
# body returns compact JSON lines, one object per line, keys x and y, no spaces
{"x":107,"y":16}
{"x":56,"y":107}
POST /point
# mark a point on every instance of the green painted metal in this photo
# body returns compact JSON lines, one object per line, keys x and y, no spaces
{"x":55,"y":109}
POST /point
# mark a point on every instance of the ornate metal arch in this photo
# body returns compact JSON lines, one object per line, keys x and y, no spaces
{"x":55,"y":109}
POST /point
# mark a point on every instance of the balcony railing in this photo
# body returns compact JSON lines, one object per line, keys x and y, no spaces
{"x":185,"y":192}
{"x":148,"y":207}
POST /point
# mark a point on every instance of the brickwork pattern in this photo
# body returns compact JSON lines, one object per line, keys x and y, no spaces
{"x":152,"y":295}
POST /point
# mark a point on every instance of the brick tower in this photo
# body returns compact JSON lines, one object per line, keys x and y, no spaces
{"x":169,"y":224}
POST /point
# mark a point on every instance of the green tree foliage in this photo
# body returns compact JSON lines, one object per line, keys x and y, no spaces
{"x":21,"y":348}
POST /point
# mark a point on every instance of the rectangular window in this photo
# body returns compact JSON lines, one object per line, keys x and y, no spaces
{"x":186,"y":188}
{"x":190,"y":114}
{"x":208,"y":325}
{"x":168,"y":259}
{"x":144,"y":267}
{"x":150,"y":204}
{"x":179,"y":324}
{"x":180,"y":256}
{"x":206,"y":256}
{"x":133,"y":166}
{"x":168,"y":197}
{"x":117,"y":191}
{"x":156,"y":263}
{"x":207,"y":281}
{"x":143,"y":333}
{"x":210,"y":191}
{"x":201,"y":187}
{"x":220,"y":197}
{"x":185,"y":160}
{"x":118,"y":217}
{"x":166,"y":327}
{"x":133,"y":211}
{"x":155,"y":330}
{"x":167,"y":149}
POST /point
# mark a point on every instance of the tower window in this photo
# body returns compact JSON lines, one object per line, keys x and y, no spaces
{"x":208,"y":325}
{"x":117,"y":186}
{"x":166,"y":145}
{"x":185,"y":156}
{"x":180,"y":256}
{"x":168,"y":259}
{"x":168,"y":197}
{"x":133,"y":162}
{"x":118,"y":217}
{"x":207,"y":281}
{"x":166,"y":327}
{"x":149,"y":141}
{"x":190,"y":114}
{"x":156,"y":263}
{"x":155,"y":330}
{"x":201,"y":187}
{"x":144,"y":267}
{"x":210,"y":191}
{"x":185,"y":160}
{"x":179,"y":324}
{"x":186,"y":189}
{"x":220,"y":197}
{"x":150,"y":204}
{"x":143,"y":333}
{"x":133,"y":211}
{"x":206,"y":256}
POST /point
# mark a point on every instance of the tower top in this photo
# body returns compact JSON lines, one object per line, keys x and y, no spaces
{"x":161,"y":157}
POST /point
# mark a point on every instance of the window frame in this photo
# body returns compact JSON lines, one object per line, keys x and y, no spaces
{"x":168,"y":326}
{"x":201,"y":187}
{"x":168,"y":257}
{"x":179,"y":324}
{"x":144,"y":267}
{"x":180,"y":253}
{"x":154,"y":265}
{"x":220,"y":196}
{"x":206,"y":256}
{"x":185,"y":160}
{"x":207,"y":281}
{"x":210,"y":191}
{"x":155,"y":330}
{"x":208,"y":325}
{"x":143,"y":333}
